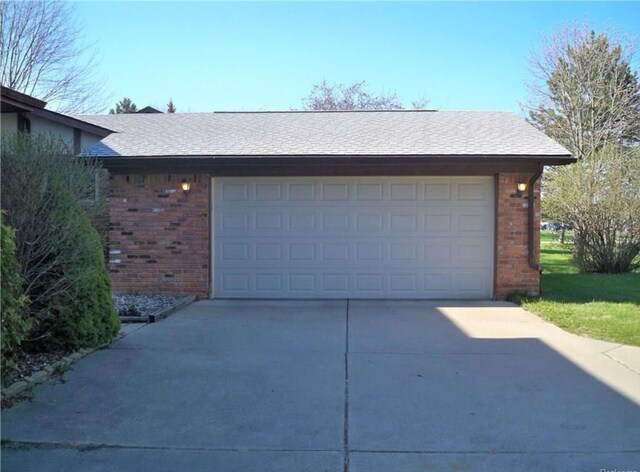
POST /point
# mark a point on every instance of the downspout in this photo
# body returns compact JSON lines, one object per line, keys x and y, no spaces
{"x":532,"y":213}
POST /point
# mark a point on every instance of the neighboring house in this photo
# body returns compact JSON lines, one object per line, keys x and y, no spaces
{"x":376,"y":204}
{"x":23,"y":113}
{"x":149,"y":109}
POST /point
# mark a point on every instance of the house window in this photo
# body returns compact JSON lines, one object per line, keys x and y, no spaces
{"x":24,"y":123}
{"x":100,"y":181}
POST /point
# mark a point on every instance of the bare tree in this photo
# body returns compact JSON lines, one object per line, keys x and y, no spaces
{"x":42,"y":55}
{"x":420,"y":104}
{"x":326,"y":96}
{"x":48,"y":233}
{"x":584,"y":92}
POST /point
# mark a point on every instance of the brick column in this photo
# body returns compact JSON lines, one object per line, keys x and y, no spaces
{"x":513,"y":273}
{"x":159,"y":238}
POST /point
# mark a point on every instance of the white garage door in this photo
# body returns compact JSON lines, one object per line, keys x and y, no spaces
{"x":346,"y":237}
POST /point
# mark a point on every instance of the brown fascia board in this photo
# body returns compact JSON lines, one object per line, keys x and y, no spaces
{"x":21,"y":100}
{"x":18,"y":101}
{"x":73,"y":122}
{"x":332,"y":165}
{"x":13,"y":106}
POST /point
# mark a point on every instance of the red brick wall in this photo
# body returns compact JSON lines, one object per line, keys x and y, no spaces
{"x":159,"y":237}
{"x":513,"y":273}
{"x":160,"y":241}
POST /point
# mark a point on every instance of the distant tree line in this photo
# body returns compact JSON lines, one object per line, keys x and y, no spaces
{"x":126,"y":105}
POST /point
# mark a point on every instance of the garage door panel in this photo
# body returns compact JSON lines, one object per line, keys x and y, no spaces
{"x":334,"y":192}
{"x":302,"y":282}
{"x":234,"y":252}
{"x":234,"y":192}
{"x":302,"y":251}
{"x":392,"y":237}
{"x":437,"y":191}
{"x":318,"y":190}
{"x":229,"y":222}
{"x":334,"y":221}
{"x":334,"y":252}
{"x":369,"y":191}
{"x":298,"y":221}
{"x":269,"y":192}
{"x":403,"y":252}
{"x":363,"y":284}
{"x":470,"y":223}
{"x":234,"y":283}
{"x":403,"y":283}
{"x":335,"y":283}
{"x":471,"y":191}
{"x":267,"y":251}
{"x":438,"y":223}
{"x":438,"y":255}
{"x":437,"y":283}
{"x":472,"y":283}
{"x":471,"y":254}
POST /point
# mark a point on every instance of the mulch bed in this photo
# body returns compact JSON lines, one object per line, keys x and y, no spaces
{"x":28,"y":364}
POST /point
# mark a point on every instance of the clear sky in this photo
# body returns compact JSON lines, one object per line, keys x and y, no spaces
{"x":211,"y":56}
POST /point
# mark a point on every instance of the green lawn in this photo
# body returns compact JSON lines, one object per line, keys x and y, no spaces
{"x":599,"y":306}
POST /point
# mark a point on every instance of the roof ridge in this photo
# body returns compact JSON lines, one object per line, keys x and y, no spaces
{"x":266,"y":112}
{"x":327,"y":111}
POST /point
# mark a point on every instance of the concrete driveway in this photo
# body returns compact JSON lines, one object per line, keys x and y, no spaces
{"x":335,"y":386}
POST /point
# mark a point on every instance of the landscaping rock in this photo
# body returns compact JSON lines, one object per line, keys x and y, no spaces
{"x":145,"y":305}
{"x":140,"y":308}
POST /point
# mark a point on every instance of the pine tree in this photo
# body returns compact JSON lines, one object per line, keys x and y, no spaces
{"x":170,"y":106}
{"x":124,"y":106}
{"x":586,"y":95}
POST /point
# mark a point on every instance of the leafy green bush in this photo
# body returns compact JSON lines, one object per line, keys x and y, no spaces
{"x":600,"y":197}
{"x":84,"y":315}
{"x":14,"y":323}
{"x":44,"y":191}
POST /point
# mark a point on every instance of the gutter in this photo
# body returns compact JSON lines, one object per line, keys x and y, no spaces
{"x":532,"y":212}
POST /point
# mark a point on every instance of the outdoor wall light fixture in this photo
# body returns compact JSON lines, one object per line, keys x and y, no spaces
{"x":521,"y":188}
{"x":185,"y":186}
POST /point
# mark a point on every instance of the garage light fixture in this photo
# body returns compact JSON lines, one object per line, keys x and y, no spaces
{"x":186,"y":186}
{"x":521,"y":188}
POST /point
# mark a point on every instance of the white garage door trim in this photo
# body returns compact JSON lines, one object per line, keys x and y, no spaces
{"x":353,"y":237}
